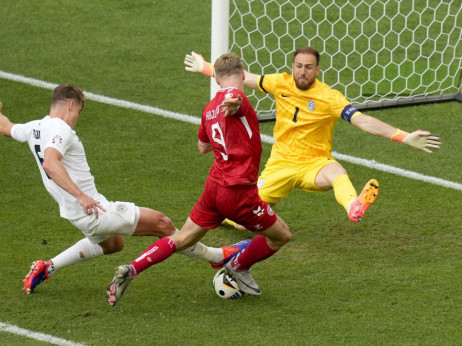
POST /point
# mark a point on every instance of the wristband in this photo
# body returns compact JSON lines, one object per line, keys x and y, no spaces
{"x":399,"y":136}
{"x":208,"y":69}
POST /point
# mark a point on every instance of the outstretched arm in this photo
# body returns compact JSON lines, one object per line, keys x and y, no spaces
{"x":5,"y":124}
{"x":195,"y":62}
{"x":419,"y":139}
{"x":58,"y":173}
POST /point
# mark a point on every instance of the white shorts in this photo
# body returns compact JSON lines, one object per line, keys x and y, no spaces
{"x":119,"y":218}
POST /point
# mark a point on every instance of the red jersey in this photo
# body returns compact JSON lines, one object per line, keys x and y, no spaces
{"x":235,"y":140}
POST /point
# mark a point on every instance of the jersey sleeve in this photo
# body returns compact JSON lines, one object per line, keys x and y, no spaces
{"x":341,"y":107}
{"x":60,"y":139}
{"x":202,"y":133}
{"x":20,"y":132}
{"x":268,"y":83}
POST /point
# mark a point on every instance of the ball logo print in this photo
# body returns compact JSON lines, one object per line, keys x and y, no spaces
{"x":225,"y":287}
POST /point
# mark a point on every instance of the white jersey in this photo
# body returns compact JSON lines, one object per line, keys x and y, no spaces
{"x":56,"y":133}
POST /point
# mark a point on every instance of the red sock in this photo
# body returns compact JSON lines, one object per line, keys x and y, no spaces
{"x":257,"y":251}
{"x":157,"y":252}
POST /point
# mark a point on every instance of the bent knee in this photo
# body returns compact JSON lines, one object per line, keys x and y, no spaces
{"x":166,"y":225}
{"x":282,"y":237}
{"x":112,"y":245}
{"x":153,"y":222}
{"x":286,"y":235}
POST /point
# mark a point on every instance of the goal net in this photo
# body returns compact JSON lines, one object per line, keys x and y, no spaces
{"x":378,"y":53}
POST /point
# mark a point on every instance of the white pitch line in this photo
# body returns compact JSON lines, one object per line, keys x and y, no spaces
{"x":36,"y":336}
{"x":265,"y":138}
{"x":398,"y":171}
{"x":104,"y":99}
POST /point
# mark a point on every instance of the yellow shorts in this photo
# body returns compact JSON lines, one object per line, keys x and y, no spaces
{"x":281,"y":176}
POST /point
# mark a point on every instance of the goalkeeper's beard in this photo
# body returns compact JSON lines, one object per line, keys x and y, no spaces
{"x":304,"y":83}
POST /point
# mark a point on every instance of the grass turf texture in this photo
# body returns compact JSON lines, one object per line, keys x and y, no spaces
{"x":392,"y":279}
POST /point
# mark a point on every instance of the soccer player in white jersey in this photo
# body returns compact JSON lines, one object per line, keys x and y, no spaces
{"x":66,"y":175}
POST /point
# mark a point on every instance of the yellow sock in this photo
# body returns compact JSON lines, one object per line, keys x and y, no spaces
{"x":344,"y":191}
{"x":229,"y":222}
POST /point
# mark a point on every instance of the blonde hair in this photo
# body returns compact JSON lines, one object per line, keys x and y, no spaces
{"x":228,"y":64}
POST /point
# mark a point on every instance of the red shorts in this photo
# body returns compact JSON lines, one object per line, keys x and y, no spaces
{"x":239,"y":203}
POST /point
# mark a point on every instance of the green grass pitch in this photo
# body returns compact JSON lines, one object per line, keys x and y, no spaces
{"x":394,"y":278}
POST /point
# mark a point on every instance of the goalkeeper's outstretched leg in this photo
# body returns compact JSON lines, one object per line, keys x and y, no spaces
{"x":367,"y":196}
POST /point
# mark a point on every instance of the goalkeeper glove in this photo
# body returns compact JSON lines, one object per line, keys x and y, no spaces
{"x":419,"y":139}
{"x":195,"y":63}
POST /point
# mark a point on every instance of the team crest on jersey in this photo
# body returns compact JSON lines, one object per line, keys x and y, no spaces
{"x":311,"y":105}
{"x":121,"y":208}
{"x":269,"y":210}
{"x":57,"y":140}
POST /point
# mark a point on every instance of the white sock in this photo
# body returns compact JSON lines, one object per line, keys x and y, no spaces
{"x":200,"y":251}
{"x":80,"y":252}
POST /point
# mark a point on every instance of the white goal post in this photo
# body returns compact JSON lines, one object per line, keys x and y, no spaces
{"x":220,"y":35}
{"x":378,"y":53}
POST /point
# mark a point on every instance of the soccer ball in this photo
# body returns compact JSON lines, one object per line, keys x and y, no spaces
{"x":225,"y":287}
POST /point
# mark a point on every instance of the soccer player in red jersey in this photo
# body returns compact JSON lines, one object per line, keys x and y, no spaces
{"x":232,"y":133}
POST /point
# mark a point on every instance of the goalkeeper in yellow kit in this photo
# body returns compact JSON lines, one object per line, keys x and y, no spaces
{"x":306,"y":112}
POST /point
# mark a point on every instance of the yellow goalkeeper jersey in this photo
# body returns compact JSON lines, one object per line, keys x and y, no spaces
{"x":305,"y":119}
